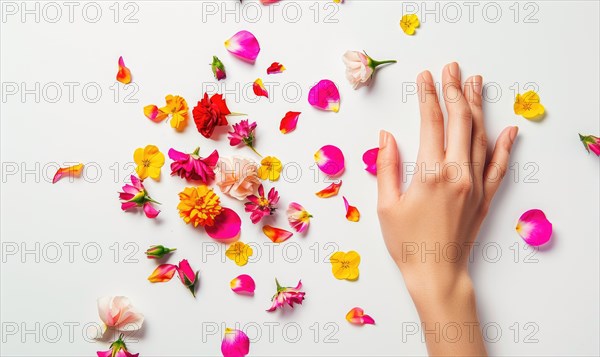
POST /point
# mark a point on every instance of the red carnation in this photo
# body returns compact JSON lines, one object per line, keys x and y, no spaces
{"x":210,"y":113}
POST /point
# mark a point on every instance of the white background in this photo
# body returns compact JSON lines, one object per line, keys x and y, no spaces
{"x":553,"y":299}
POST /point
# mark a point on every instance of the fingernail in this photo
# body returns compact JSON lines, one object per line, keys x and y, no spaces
{"x":383,"y":138}
{"x":426,"y":75}
{"x":513,"y":133}
{"x":479,"y":84}
{"x":454,"y":71}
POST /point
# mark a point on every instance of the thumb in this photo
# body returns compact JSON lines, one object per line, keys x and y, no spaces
{"x":388,"y":168}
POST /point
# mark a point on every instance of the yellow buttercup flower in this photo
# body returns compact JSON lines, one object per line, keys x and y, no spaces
{"x":149,"y":160}
{"x":179,"y":110}
{"x":528,"y":105}
{"x":270,"y":168}
{"x":239,"y":253}
{"x":199,"y":205}
{"x":409,"y":23}
{"x":345,"y":265}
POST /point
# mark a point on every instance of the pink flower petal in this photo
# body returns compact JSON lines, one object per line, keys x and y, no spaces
{"x":370,"y":159}
{"x":227,"y":226}
{"x":325,"y":96}
{"x":235,"y":343}
{"x":330,"y":160}
{"x":534,"y":227}
{"x":243,"y":284}
{"x":289,"y":122}
{"x":259,"y":88}
{"x":128,"y":205}
{"x":150,"y":211}
{"x":276,"y":235}
{"x":162,"y":273}
{"x":357,"y":316}
{"x":243,"y":45}
{"x":352,"y":213}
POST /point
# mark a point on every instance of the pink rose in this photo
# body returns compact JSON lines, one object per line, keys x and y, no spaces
{"x":237,"y":177}
{"x":358,"y":70}
{"x":118,"y":313}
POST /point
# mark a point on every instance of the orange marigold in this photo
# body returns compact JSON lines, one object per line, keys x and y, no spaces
{"x":199,"y":205}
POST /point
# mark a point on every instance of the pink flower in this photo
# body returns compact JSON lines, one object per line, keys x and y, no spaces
{"x":235,"y":343}
{"x":591,"y":142}
{"x":243,"y":132}
{"x":135,"y":195}
{"x":165,"y":272}
{"x":298,"y":217}
{"x":243,"y":45}
{"x":287,"y":295}
{"x":360,"y":67}
{"x":192,"y":166}
{"x":261,"y":206}
{"x":237,"y":177}
{"x":118,"y":313}
{"x":117,"y":349}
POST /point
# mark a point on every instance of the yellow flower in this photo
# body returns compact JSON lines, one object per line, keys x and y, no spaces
{"x":178,"y":108}
{"x":199,"y":206}
{"x":345,"y":265}
{"x":149,"y":160}
{"x":528,"y":105}
{"x":270,"y":168}
{"x":239,"y":253}
{"x":409,"y":23}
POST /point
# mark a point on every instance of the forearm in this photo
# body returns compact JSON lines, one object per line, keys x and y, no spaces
{"x":448,"y":312}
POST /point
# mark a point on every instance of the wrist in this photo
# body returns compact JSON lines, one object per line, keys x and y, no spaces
{"x":439,"y":286}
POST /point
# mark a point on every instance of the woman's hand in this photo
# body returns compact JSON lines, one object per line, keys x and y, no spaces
{"x":430,"y":228}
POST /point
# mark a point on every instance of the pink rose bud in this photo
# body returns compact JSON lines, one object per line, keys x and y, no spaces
{"x":158,"y":251}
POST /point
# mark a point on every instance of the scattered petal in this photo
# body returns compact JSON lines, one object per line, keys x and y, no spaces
{"x":330,"y":191}
{"x":124,"y":74}
{"x":298,"y":217}
{"x":243,"y":45}
{"x":227,"y":227}
{"x":259,"y":88}
{"x":153,"y":113}
{"x":528,"y":105}
{"x":534,"y":227}
{"x":357,"y":316}
{"x":243,"y":285}
{"x":150,"y":211}
{"x":71,"y":171}
{"x":235,"y":343}
{"x":344,"y":266}
{"x":276,"y":235}
{"x":409,"y":23}
{"x":370,"y":159}
{"x":330,"y":160}
{"x":352,"y":213}
{"x":325,"y":96}
{"x":275,"y":68}
{"x":162,"y":273}
{"x":289,"y":122}
{"x":239,"y":252}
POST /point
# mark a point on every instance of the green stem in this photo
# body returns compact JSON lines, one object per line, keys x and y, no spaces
{"x":375,"y":64}
{"x":253,"y":149}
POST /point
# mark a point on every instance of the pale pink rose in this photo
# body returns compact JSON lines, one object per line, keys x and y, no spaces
{"x":358,"y":70}
{"x":237,"y":177}
{"x":118,"y":313}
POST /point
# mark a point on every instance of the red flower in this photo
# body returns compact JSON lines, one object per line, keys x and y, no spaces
{"x":210,"y":113}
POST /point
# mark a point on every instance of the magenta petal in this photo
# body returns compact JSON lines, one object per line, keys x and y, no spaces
{"x":534,"y":227}
{"x":325,"y":96}
{"x":128,"y":205}
{"x":235,"y":343}
{"x":227,"y":226}
{"x":243,"y":45}
{"x":177,"y":155}
{"x":370,"y":159}
{"x":330,"y":160}
{"x":150,"y":211}
{"x":243,"y":284}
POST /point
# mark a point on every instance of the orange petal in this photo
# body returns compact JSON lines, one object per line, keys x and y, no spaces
{"x":357,"y":316}
{"x":352,"y":213}
{"x":153,"y":113}
{"x":276,"y":235}
{"x":330,"y":191}
{"x":71,"y":171}
{"x":124,"y":74}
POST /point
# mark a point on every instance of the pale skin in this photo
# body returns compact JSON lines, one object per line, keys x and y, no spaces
{"x":442,"y":208}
